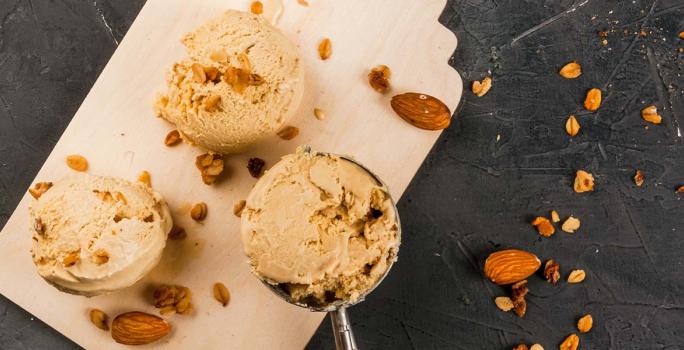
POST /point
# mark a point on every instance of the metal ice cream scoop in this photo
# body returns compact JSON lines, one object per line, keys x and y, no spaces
{"x":344,"y":337}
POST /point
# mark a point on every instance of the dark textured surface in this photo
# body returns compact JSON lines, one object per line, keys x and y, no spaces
{"x":474,"y":193}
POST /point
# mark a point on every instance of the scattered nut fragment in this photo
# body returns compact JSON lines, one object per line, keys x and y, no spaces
{"x":576,"y":276}
{"x":585,"y":323}
{"x":71,"y":259}
{"x":238,"y":207}
{"x":138,"y":328}
{"x":101,"y":257}
{"x":256,"y":7}
{"x":303,"y":3}
{"x":177,"y":232}
{"x":39,"y":188}
{"x":571,"y":70}
{"x":680,"y":189}
{"x":570,"y":225}
{"x":325,"y":49}
{"x":536,"y":347}
{"x":554,"y":216}
{"x":145,"y":178}
{"x":39,"y":226}
{"x":552,"y":271}
{"x":99,"y":319}
{"x":518,"y":292}
{"x":210,"y":166}
{"x":211,"y":102}
{"x":244,"y":62}
{"x":177,"y":296}
{"x":288,"y":132}
{"x":481,"y":88}
{"x":212,"y":74}
{"x":544,"y":226}
{"x":650,"y":114}
{"x":77,"y":162}
{"x":378,"y":78}
{"x":319,"y":113}
{"x":422,"y":111}
{"x":221,"y":293}
{"x":198,"y":73}
{"x":593,"y":100}
{"x":172,"y":138}
{"x":255,"y":167}
{"x":584,"y":182}
{"x":572,"y":126}
{"x":570,"y":343}
{"x":504,"y":303}
{"x":199,"y":211}
{"x":639,"y":178}
{"x":521,"y":347}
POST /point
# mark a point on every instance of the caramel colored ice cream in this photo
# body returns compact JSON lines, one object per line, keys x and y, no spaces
{"x":320,"y":225}
{"x":242,"y":81}
{"x":93,"y":235}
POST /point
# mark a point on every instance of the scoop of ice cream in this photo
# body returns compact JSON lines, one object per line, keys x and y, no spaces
{"x":321,"y":225}
{"x":93,"y":234}
{"x":242,"y":82}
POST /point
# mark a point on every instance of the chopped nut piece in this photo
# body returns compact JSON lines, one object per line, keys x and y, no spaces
{"x":255,"y":167}
{"x":221,"y":293}
{"x":101,"y":257}
{"x":570,"y":225}
{"x":167,"y":297}
{"x":585,"y":323}
{"x":639,"y":178}
{"x":71,"y":259}
{"x":544,"y":226}
{"x":303,"y":3}
{"x":288,"y":132}
{"x":521,"y":347}
{"x":99,"y":319}
{"x":39,"y":188}
{"x":219,"y":56}
{"x":145,"y":178}
{"x":245,"y":65}
{"x":325,"y":49}
{"x":177,"y":232}
{"x":168,"y":310}
{"x":212,"y":74}
{"x":77,"y":162}
{"x":680,"y":189}
{"x":481,"y":88}
{"x":570,"y":343}
{"x":198,"y":73}
{"x":211,"y":102}
{"x":571,"y":70}
{"x":39,"y":226}
{"x":518,"y":292}
{"x":593,"y":100}
{"x":199,"y":211}
{"x":552,"y":271}
{"x":572,"y":126}
{"x":319,"y":113}
{"x":536,"y":347}
{"x":650,"y":114}
{"x":210,"y":166}
{"x":378,"y":78}
{"x":104,"y":196}
{"x":504,"y":303}
{"x":172,"y":138}
{"x":576,"y":276}
{"x":554,"y":216}
{"x":238,"y":207}
{"x":584,"y":182}
{"x":256,"y":7}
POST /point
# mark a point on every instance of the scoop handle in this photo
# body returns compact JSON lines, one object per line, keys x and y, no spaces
{"x":344,"y":337}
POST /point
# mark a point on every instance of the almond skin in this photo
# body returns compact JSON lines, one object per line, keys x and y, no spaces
{"x":138,"y":328}
{"x":510,"y":266}
{"x":422,"y":111}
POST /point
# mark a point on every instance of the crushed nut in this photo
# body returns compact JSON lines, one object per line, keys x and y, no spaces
{"x":198,"y":73}
{"x":288,"y":132}
{"x":544,"y":226}
{"x":518,"y":292}
{"x":325,"y":49}
{"x":303,"y":3}
{"x":104,"y":196}
{"x":570,"y":343}
{"x":639,"y":178}
{"x":176,"y":297}
{"x":319,"y":113}
{"x":536,"y":347}
{"x":585,"y":323}
{"x":101,"y":257}
{"x":552,"y":271}
{"x":212,"y":74}
{"x":256,"y":7}
{"x":570,"y":225}
{"x":211,"y":102}
{"x":221,"y":293}
{"x":554,"y":216}
{"x":255,"y":167}
{"x":39,"y":188}
{"x":593,"y":100}
{"x":99,"y":319}
{"x":521,"y":347}
{"x":378,"y":78}
{"x":71,"y":259}
{"x":238,"y":207}
{"x":650,"y":114}
{"x":576,"y":276}
{"x":145,"y":178}
{"x":504,"y":303}
{"x":572,"y":126}
{"x":199,"y":211}
{"x":584,"y":182}
{"x":571,"y":70}
{"x":481,"y":88}
{"x":77,"y":162}
{"x":172,"y":138}
{"x":245,"y":65}
{"x":39,"y":226}
{"x":177,"y":232}
{"x":219,"y":56}
{"x":680,"y":189}
{"x":210,"y":166}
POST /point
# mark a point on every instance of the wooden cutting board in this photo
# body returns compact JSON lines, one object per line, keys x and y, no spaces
{"x":115,"y":129}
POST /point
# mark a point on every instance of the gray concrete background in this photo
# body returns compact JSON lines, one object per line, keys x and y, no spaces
{"x":473,"y":194}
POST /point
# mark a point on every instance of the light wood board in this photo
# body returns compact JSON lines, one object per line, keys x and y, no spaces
{"x":115,"y":129}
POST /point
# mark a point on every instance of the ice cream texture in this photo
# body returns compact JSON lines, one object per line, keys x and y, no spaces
{"x":93,"y":235}
{"x":218,"y":114}
{"x":321,"y":226}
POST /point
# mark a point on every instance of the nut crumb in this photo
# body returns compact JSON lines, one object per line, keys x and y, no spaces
{"x":639,"y":178}
{"x":256,"y":7}
{"x":101,"y":257}
{"x":584,"y":182}
{"x":39,"y":188}
{"x":554,"y":216}
{"x":585,"y":323}
{"x":77,"y":162}
{"x":518,"y":292}
{"x":167,"y":297}
{"x":325,"y":49}
{"x":198,"y":73}
{"x":255,"y":167}
{"x":593,"y":100}
{"x":570,"y":343}
{"x":211,"y":102}
{"x":576,"y":276}
{"x":238,"y":207}
{"x":288,"y":132}
{"x":650,"y":114}
{"x":378,"y":78}
{"x":504,"y":303}
{"x":210,"y":165}
{"x":570,"y":225}
{"x":99,"y":319}
{"x":319,"y":113}
{"x":481,"y":88}
{"x":571,"y":70}
{"x":172,"y":138}
{"x":544,"y":226}
{"x":71,"y":259}
{"x":145,"y":178}
{"x":177,"y":233}
{"x":572,"y":126}
{"x":199,"y":211}
{"x":552,"y":271}
{"x":221,"y":293}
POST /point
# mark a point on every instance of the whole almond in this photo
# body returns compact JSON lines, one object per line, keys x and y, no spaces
{"x":510,"y":266}
{"x":422,"y":111}
{"x":139,"y":328}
